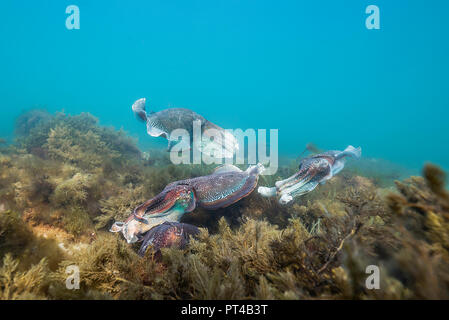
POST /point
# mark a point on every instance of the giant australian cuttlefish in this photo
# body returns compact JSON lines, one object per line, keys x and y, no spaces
{"x":158,"y":218}
{"x":212,"y":139}
{"x":313,"y":170}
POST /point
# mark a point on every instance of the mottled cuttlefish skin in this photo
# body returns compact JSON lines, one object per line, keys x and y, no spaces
{"x":225,"y":186}
{"x":313,"y":170}
{"x":163,"y":123}
{"x":168,"y":235}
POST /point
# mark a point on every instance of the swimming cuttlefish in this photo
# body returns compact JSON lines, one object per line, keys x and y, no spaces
{"x":225,"y":186}
{"x":313,"y":170}
{"x":214,"y":140}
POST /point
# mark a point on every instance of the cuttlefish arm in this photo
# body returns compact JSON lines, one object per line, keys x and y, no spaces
{"x":169,"y":205}
{"x":313,"y":170}
{"x":301,"y":177}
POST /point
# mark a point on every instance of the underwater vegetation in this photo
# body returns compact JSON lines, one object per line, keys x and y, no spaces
{"x":66,"y":179}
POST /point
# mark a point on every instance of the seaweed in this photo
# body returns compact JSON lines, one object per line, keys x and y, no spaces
{"x":66,"y":178}
{"x":76,"y":139}
{"x":27,"y":285}
{"x":108,"y":267}
{"x":18,"y":239}
{"x":423,"y":204}
{"x":119,"y":206}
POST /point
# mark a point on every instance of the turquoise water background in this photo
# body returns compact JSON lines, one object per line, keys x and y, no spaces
{"x":308,"y":68}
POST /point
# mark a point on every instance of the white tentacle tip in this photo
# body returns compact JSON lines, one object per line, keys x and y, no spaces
{"x":286,"y":198}
{"x":267,"y":192}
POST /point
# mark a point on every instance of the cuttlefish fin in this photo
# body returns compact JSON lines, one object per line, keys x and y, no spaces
{"x":337,"y":167}
{"x":256,"y":169}
{"x":350,"y":151}
{"x":226,"y":168}
{"x":139,"y":109}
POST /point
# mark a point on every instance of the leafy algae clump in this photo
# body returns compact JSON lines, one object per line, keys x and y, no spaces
{"x":73,"y":191}
{"x":17,"y":285}
{"x":84,"y":149}
{"x":74,"y":139}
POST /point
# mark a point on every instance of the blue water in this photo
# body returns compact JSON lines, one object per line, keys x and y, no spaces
{"x":308,"y":68}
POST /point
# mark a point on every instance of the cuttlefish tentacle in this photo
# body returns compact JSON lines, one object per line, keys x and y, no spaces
{"x":169,"y":205}
{"x":298,"y":179}
{"x":314,"y":170}
{"x":222,"y":188}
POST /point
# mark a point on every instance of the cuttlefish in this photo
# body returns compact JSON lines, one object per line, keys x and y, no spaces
{"x":168,"y":235}
{"x":211,"y":138}
{"x":313,"y":170}
{"x":225,"y":186}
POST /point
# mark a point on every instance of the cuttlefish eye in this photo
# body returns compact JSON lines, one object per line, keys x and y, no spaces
{"x":187,"y":199}
{"x":117,"y":226}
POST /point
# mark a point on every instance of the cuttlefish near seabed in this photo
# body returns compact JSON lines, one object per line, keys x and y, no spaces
{"x":313,"y":170}
{"x":225,"y":186}
{"x":164,"y":123}
{"x":168,"y":235}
